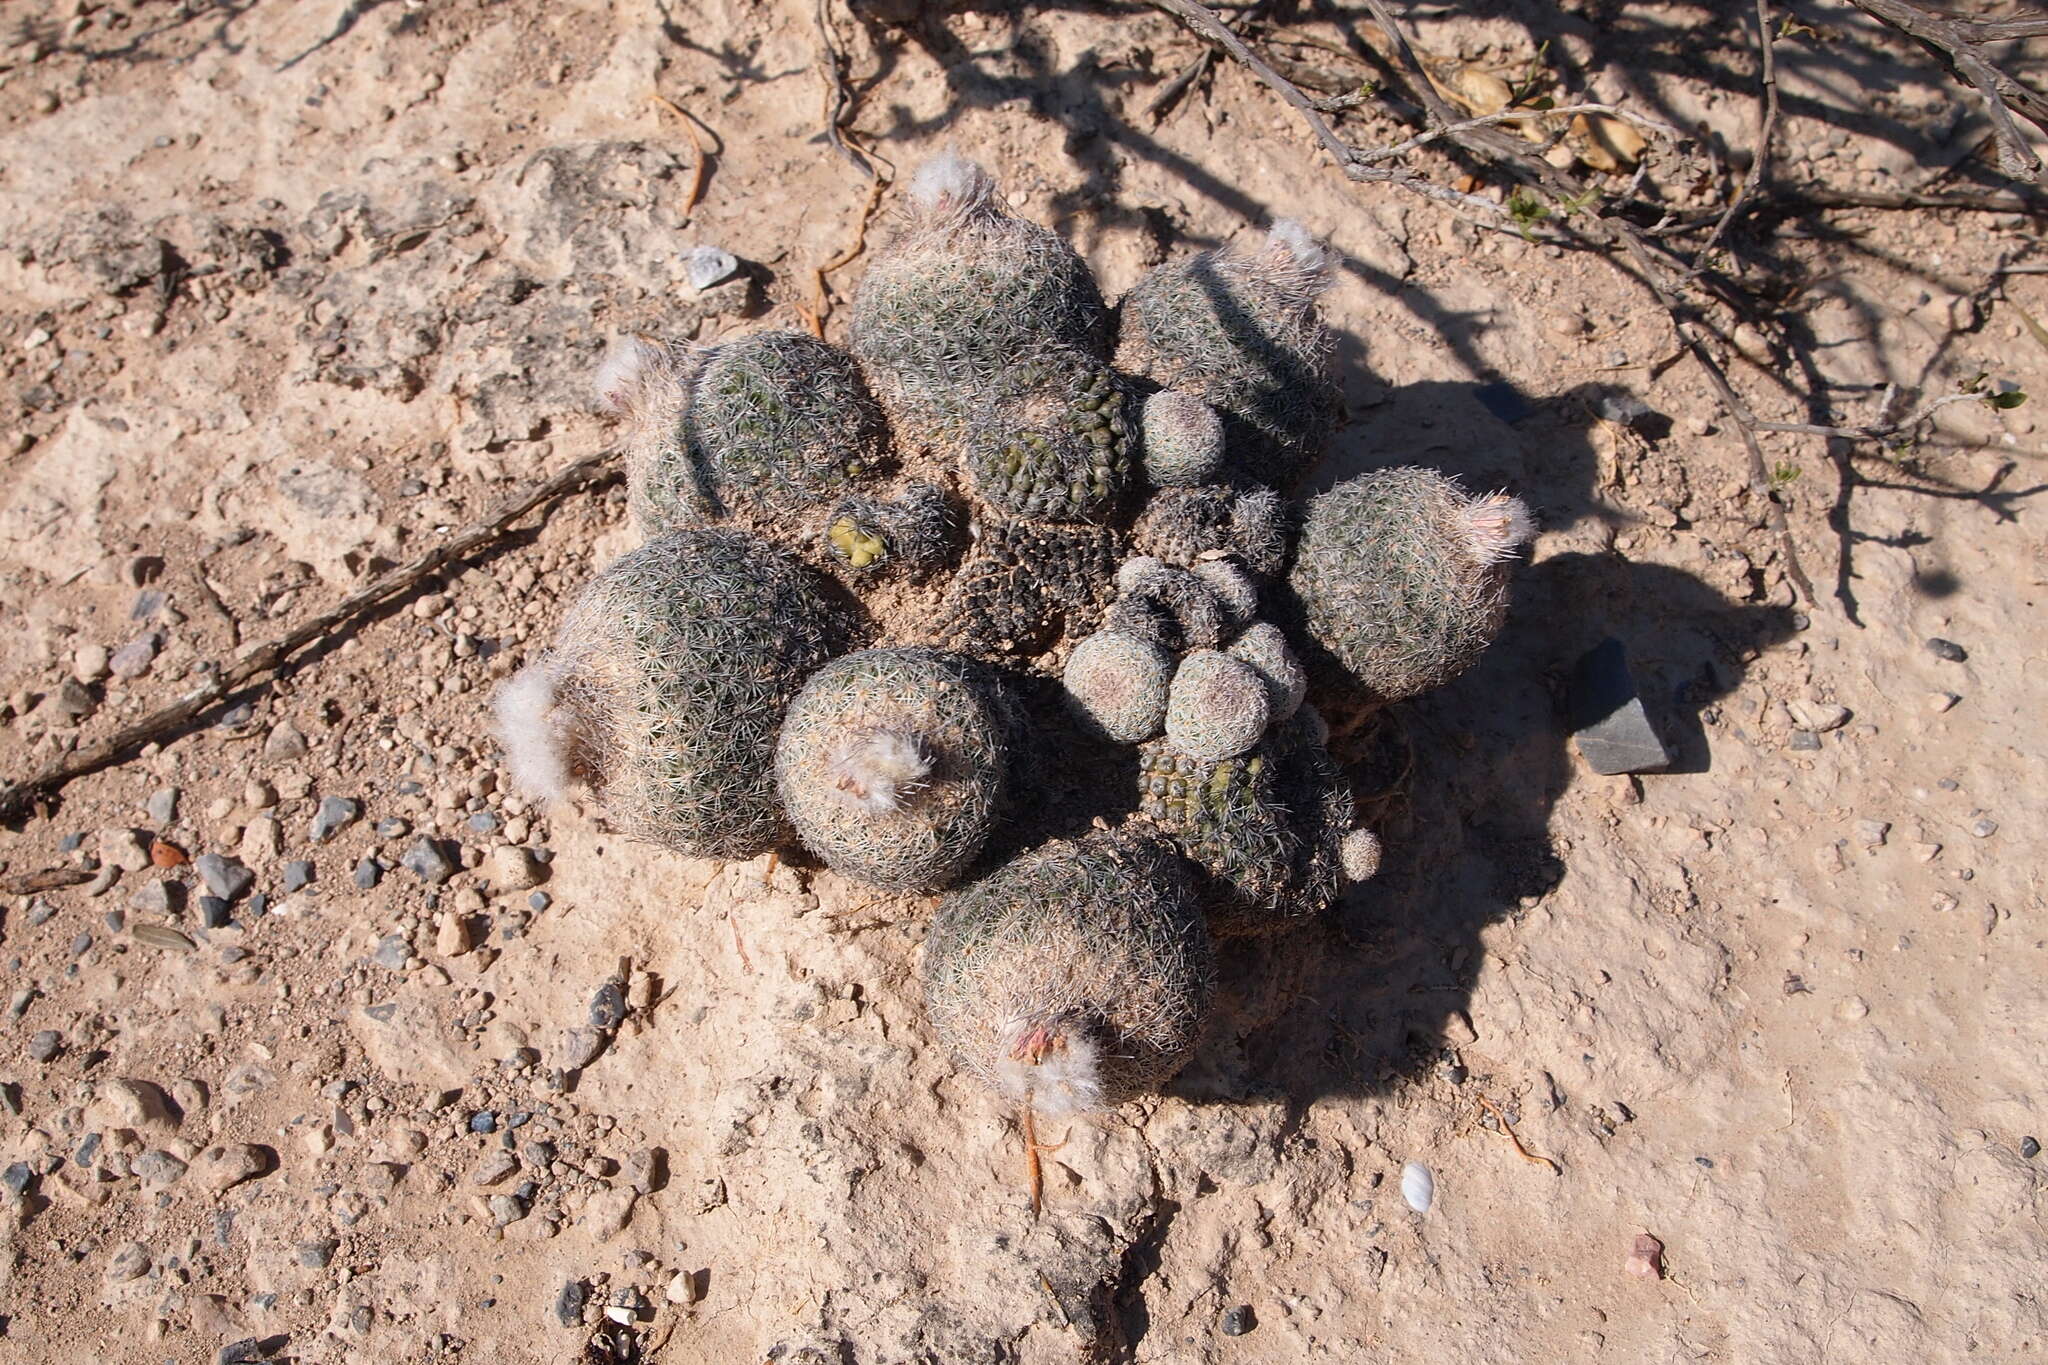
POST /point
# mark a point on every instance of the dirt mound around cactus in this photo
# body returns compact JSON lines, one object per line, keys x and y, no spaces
{"x":291,"y":290}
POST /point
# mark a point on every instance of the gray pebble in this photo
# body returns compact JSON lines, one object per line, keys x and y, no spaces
{"x":392,"y":952}
{"x":428,"y":860}
{"x":39,"y":912}
{"x":540,"y":900}
{"x":16,"y":1178}
{"x":130,"y":1261}
{"x":335,"y":814}
{"x":297,"y":876}
{"x":1947,"y":649}
{"x":315,"y":1255}
{"x":241,"y":1352}
{"x":224,"y":877}
{"x":505,"y":1209}
{"x":158,"y":1168}
{"x":213,"y":913}
{"x":705,"y":266}
{"x":1804,"y":740}
{"x":44,"y":1046}
{"x":368,"y":873}
{"x":1239,"y":1321}
{"x":158,"y":896}
{"x":73,"y":700}
{"x":284,"y":742}
{"x":484,"y":822}
{"x":393,"y":828}
{"x":2030,"y":1148}
{"x":133,"y":659}
{"x":163,"y":805}
{"x":236,"y":716}
{"x":1985,"y":828}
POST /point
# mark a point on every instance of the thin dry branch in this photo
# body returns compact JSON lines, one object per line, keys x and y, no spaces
{"x":267,"y":659}
{"x":1632,"y":251}
{"x":1960,"y":43}
{"x":1880,"y":430}
{"x":1767,"y":126}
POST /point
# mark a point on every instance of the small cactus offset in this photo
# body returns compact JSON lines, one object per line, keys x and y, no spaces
{"x":892,"y":764}
{"x":1239,"y":331}
{"x":1402,"y":579}
{"x":1060,"y":451}
{"x":912,"y":534}
{"x":903,"y":607}
{"x":1075,"y":977}
{"x":751,"y":428}
{"x":1268,"y":826}
{"x":666,"y":686}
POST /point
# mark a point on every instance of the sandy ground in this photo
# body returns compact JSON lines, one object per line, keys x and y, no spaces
{"x":289,"y":290}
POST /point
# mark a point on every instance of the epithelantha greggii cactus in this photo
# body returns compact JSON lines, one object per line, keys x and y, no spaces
{"x":1076,"y":976}
{"x":665,"y":688}
{"x":892,"y":765}
{"x":1402,"y":578}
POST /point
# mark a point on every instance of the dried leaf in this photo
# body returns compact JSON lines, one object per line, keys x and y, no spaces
{"x":1477,"y":92}
{"x":162,"y":936}
{"x":164,"y":853}
{"x":1607,"y":144}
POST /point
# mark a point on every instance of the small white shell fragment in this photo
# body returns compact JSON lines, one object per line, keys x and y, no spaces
{"x":1418,"y":1186}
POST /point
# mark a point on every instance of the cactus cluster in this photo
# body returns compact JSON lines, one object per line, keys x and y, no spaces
{"x":862,"y":564}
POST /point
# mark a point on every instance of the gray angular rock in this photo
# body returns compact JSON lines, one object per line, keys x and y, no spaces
{"x":284,"y":742}
{"x":1608,"y":721}
{"x":335,"y":814}
{"x":428,"y":860}
{"x":224,"y":877}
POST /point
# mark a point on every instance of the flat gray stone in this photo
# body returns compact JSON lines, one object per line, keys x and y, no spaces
{"x":224,"y":877}
{"x":335,"y":814}
{"x":1607,"y":716}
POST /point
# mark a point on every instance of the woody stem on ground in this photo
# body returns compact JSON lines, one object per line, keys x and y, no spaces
{"x":267,"y":659}
{"x":1628,"y":249}
{"x":1960,"y":43}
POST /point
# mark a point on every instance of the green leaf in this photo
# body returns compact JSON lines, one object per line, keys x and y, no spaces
{"x":2011,"y":398}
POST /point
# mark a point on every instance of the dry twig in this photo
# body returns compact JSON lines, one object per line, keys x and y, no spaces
{"x":697,"y":168}
{"x":1643,"y":262}
{"x":1509,"y":1129}
{"x":1767,"y":125}
{"x":265,"y":660}
{"x":1960,"y":45}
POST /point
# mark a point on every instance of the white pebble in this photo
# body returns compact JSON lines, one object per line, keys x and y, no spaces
{"x":1418,"y":1186}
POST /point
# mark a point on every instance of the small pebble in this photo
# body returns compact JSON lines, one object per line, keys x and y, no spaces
{"x":298,"y":876}
{"x":393,"y":828}
{"x":705,"y":266}
{"x":428,"y":860}
{"x":392,"y":952}
{"x":483,"y":822}
{"x":1872,"y":832}
{"x":133,"y":659}
{"x":213,"y":912}
{"x":368,"y":873}
{"x":483,"y":1121}
{"x":1947,"y":649}
{"x":1938,"y":702}
{"x":1418,"y":1186}
{"x":539,"y":900}
{"x":335,"y":814}
{"x":2029,"y":1148}
{"x":44,"y":1045}
{"x":284,"y":742}
{"x":224,"y":877}
{"x":1646,"y":1258}
{"x":1239,"y":1321}
{"x":130,"y":1261}
{"x":163,"y":806}
{"x":1984,"y":829}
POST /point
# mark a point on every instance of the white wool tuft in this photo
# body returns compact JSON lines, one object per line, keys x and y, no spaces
{"x":533,"y":736}
{"x":622,"y":375}
{"x":950,"y":183}
{"x":1139,"y":574}
{"x":1066,"y":1079}
{"x":1300,"y":258}
{"x":878,"y":770}
{"x":1497,"y":526}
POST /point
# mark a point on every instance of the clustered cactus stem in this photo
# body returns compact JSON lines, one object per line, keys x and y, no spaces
{"x":872,"y":576}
